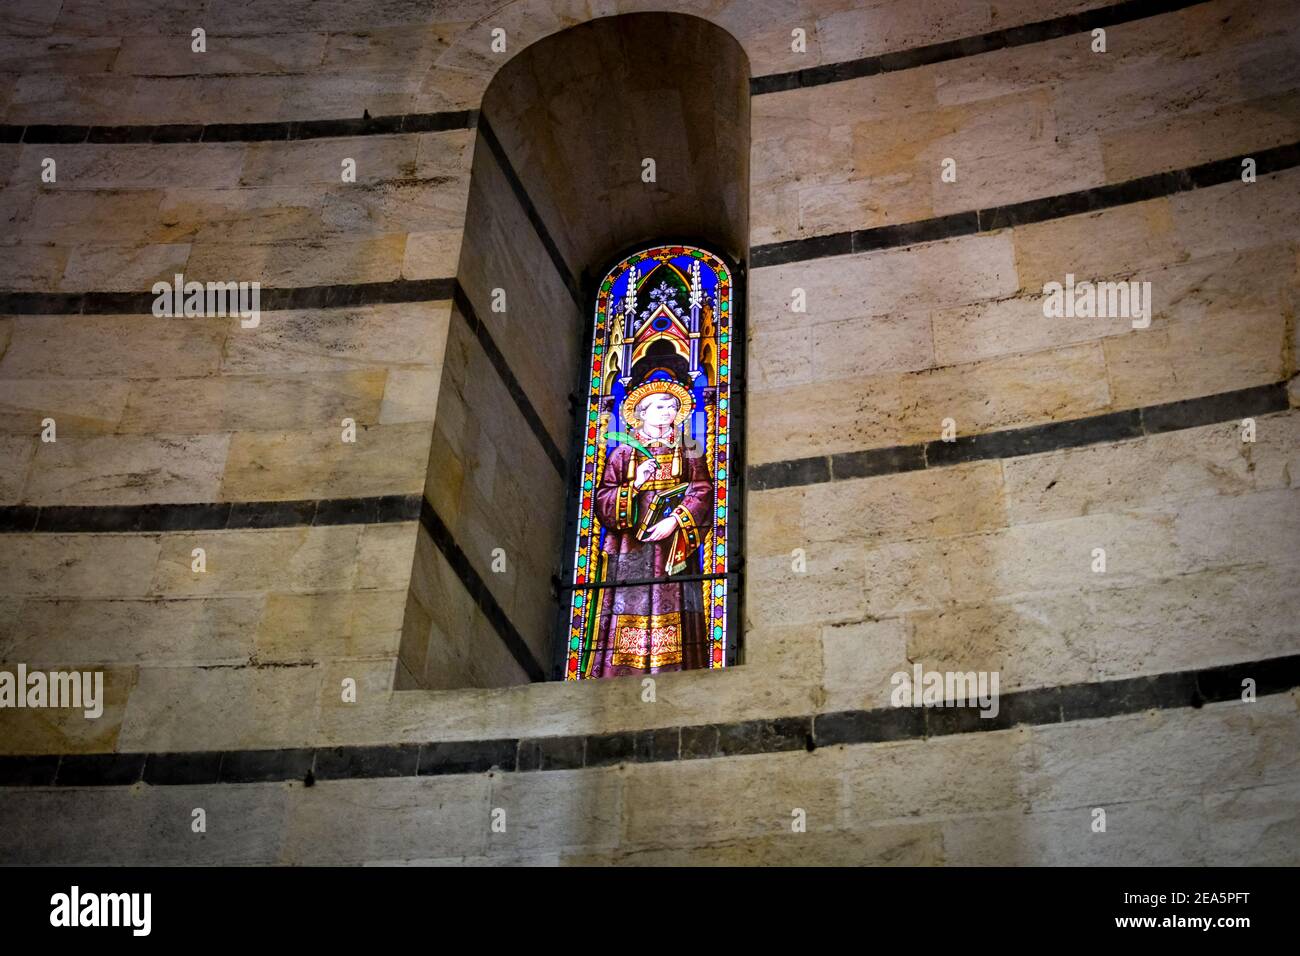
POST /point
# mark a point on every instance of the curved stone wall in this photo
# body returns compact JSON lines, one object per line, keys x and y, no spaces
{"x":924,"y":303}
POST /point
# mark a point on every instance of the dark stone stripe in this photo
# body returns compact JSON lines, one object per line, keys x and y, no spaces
{"x":346,"y":763}
{"x":842,"y":466}
{"x":1035,"y":707}
{"x":95,"y":519}
{"x":1217,"y":173}
{"x":520,"y":398}
{"x":196,"y":767}
{"x":64,"y":134}
{"x":266,"y":766}
{"x":22,"y":771}
{"x":1053,"y":29}
{"x":526,"y":203}
{"x":1031,"y":440}
{"x":478,"y":590}
{"x":270,"y":300}
{"x":388,"y":509}
{"x":100,"y":770}
{"x":467,"y":756}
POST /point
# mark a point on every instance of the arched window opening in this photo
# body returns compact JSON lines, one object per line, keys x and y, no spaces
{"x":651,"y":581}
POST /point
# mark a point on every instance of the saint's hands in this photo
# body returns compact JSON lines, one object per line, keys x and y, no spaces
{"x":662,"y":530}
{"x":644,"y":472}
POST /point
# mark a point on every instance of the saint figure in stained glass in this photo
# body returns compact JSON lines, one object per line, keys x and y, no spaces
{"x":649,"y":575}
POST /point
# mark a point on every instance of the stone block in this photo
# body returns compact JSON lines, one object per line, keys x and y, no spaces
{"x":127,"y":470}
{"x":384,"y":460}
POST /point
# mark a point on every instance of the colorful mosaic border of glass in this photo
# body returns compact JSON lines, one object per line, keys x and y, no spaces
{"x":714,"y":548}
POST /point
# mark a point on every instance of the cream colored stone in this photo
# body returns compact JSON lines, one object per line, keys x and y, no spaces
{"x":354,"y":821}
{"x":909,"y":845}
{"x":937,"y":502}
{"x":896,"y":409}
{"x":248,"y":214}
{"x":926,"y":276}
{"x":109,"y":217}
{"x":79,"y":407}
{"x":908,"y":576}
{"x":320,"y":161}
{"x":406,"y":205}
{"x":794,"y":651}
{"x":858,"y":662}
{"x":1208,"y":57}
{"x":123,"y":268}
{"x":110,"y":826}
{"x":871,"y":29}
{"x":1159,"y":753}
{"x":1256,"y":826}
{"x":1159,"y":832}
{"x":305,"y":263}
{"x":15,"y":459}
{"x":1219,"y":285}
{"x":305,"y":627}
{"x":110,"y":346}
{"x":384,"y":460}
{"x":938,"y":776}
{"x":127,"y":470}
{"x":432,"y":254}
{"x":1012,"y":392}
{"x":68,"y":730}
{"x":1219,"y":617}
{"x":1238,"y":216}
{"x":407,"y":334}
{"x":731,"y":798}
{"x":255,"y":561}
{"x":1003,"y":172}
{"x":410,"y":395}
{"x":791,"y":422}
{"x":132,"y":631}
{"x":829,"y":591}
{"x":33,"y":268}
{"x":385,"y":556}
{"x":798,"y":212}
{"x":557,"y":809}
{"x":1055,"y":556}
{"x":774,"y":521}
{"x":1202,"y":357}
{"x":1033,"y":643}
{"x":1153,"y":471}
{"x":1246,"y":529}
{"x":1139,"y":235}
{"x":970,"y":132}
{"x":137,"y":166}
{"x":221,"y":708}
{"x":349,"y":690}
{"x":234,"y":54}
{"x":253,"y":402}
{"x":78,"y":565}
{"x":1190,"y":137}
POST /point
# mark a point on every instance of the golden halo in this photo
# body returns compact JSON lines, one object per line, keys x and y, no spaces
{"x":686,"y":401}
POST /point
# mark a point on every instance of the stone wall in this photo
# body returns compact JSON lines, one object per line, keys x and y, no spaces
{"x":924,"y":303}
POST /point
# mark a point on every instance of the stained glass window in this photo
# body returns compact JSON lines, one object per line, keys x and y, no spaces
{"x":649,"y":588}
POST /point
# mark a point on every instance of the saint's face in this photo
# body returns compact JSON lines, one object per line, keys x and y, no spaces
{"x":661,"y":411}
